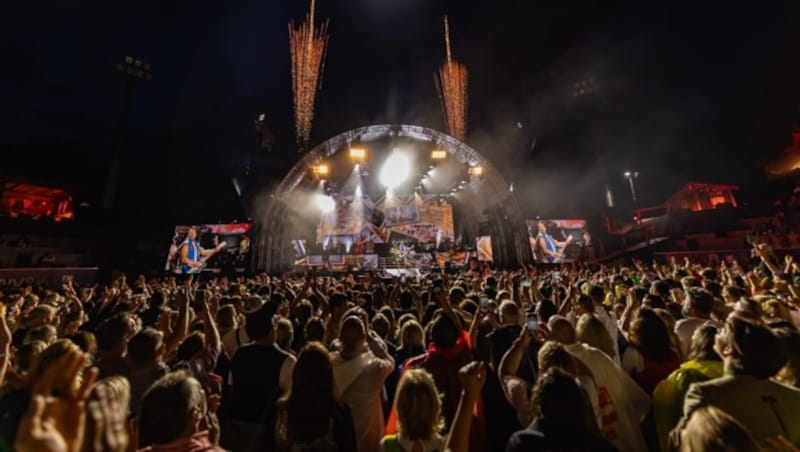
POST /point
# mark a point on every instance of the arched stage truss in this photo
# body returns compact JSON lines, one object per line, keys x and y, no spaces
{"x":491,"y":206}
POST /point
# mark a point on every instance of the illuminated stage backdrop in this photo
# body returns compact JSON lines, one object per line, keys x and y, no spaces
{"x":412,"y":219}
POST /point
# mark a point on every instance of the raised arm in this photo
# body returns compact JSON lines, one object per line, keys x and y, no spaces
{"x":509,"y":365}
{"x":472,"y":377}
{"x":181,"y":328}
{"x":210,"y":306}
{"x":5,"y":347}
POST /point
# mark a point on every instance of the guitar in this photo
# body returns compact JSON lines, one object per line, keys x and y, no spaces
{"x":187,"y":270}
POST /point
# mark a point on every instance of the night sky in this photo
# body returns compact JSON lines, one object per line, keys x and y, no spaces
{"x":685,"y":91}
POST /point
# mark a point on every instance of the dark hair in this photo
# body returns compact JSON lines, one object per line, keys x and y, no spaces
{"x":546,"y":309}
{"x":166,"y":408}
{"x":191,"y":346}
{"x":444,"y":333}
{"x":597,"y":294}
{"x":701,"y":300}
{"x":380,"y":324}
{"x":314,"y":329}
{"x":585,"y":302}
{"x":143,"y":347}
{"x":501,"y":341}
{"x":709,"y":274}
{"x":405,"y":301}
{"x":650,"y":335}
{"x":312,"y":402}
{"x":661,"y":287}
{"x":790,"y":341}
{"x":702,"y":348}
{"x":111,"y":333}
{"x":757,"y":351}
{"x":259,"y":323}
{"x":560,"y":405}
{"x":654,"y":301}
{"x":86,"y":341}
{"x":337,"y":300}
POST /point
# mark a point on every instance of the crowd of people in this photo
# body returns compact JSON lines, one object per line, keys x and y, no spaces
{"x":663,"y":356}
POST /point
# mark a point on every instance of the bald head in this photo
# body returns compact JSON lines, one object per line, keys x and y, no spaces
{"x":561,"y":330}
{"x":352,"y":335}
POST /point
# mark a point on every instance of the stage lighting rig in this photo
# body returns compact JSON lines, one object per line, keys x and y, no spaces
{"x":476,"y":171}
{"x":437,"y":155}
{"x":321,"y":170}
{"x":358,"y":154}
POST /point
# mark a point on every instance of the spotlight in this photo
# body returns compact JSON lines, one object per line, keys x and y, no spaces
{"x":325,"y":203}
{"x":438,"y":154}
{"x":358,"y":191}
{"x":358,"y":155}
{"x":476,"y":170}
{"x":321,"y":170}
{"x":395,"y":170}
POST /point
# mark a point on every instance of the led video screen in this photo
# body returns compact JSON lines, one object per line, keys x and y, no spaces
{"x":558,"y":241}
{"x":357,"y":224}
{"x":213,"y":248}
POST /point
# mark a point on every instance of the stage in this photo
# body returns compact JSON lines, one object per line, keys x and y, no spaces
{"x":389,"y":196}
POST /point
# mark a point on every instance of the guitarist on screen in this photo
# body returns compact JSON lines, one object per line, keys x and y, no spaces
{"x":551,"y":250}
{"x":193,"y":256}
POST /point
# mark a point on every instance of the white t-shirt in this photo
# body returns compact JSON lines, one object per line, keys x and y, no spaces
{"x":685,"y":328}
{"x":359,"y":383}
{"x":621,"y":403}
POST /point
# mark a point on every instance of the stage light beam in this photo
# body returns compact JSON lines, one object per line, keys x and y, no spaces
{"x":325,"y":203}
{"x":395,"y":170}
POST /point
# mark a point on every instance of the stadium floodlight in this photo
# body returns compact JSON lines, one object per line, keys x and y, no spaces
{"x":395,"y":170}
{"x":325,"y":203}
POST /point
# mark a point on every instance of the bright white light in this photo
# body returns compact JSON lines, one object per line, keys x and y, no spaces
{"x":325,"y":203}
{"x":358,"y":191}
{"x":395,"y":170}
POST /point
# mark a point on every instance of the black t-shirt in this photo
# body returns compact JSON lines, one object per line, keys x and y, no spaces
{"x":534,"y":438}
{"x":255,"y":370}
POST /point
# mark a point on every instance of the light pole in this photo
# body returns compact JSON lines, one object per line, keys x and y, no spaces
{"x":135,"y":70}
{"x":631,"y":175}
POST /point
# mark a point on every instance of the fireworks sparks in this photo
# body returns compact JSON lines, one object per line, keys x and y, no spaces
{"x":307,"y":45}
{"x":452,"y":81}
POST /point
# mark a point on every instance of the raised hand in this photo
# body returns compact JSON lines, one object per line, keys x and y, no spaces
{"x":57,"y":423}
{"x":472,"y":377}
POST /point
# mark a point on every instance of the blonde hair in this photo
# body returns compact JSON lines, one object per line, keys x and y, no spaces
{"x":590,"y":330}
{"x":710,"y":428}
{"x":411,"y":335}
{"x":418,"y":406}
{"x":774,"y":309}
{"x":49,"y":355}
{"x":118,"y":388}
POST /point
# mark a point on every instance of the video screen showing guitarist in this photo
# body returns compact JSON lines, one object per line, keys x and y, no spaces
{"x":193,"y":257}
{"x":548,"y":248}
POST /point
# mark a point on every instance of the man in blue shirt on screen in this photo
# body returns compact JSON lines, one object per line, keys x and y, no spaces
{"x":551,"y":250}
{"x":194,"y":256}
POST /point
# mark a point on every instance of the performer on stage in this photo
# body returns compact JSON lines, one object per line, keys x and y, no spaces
{"x":550,"y":250}
{"x":192,"y":252}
